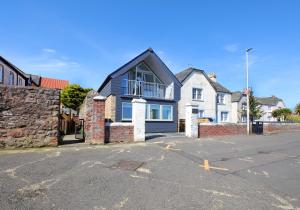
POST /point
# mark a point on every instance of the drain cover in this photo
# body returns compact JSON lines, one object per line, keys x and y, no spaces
{"x":129,"y":165}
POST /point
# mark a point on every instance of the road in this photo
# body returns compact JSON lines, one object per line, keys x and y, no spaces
{"x":255,"y":172}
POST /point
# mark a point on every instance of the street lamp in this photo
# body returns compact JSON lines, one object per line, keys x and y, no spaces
{"x":247,"y":90}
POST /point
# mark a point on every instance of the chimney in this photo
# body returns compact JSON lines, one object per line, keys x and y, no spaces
{"x":212,"y":76}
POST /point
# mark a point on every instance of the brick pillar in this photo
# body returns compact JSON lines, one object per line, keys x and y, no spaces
{"x":191,"y":124}
{"x":138,"y":119}
{"x":98,"y":120}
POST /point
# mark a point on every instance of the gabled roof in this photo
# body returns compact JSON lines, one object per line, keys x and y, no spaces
{"x":54,"y":83}
{"x":236,"y":96}
{"x":269,"y":101}
{"x":6,"y":62}
{"x":183,"y":75}
{"x":137,"y":60}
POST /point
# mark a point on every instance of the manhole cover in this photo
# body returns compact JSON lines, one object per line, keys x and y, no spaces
{"x":129,"y":165}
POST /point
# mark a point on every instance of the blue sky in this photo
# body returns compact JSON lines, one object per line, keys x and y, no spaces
{"x":83,"y":41}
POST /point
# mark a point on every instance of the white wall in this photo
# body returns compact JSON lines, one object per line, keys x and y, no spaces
{"x":226,"y":107}
{"x":237,"y":111}
{"x":267,"y":111}
{"x":197,"y":80}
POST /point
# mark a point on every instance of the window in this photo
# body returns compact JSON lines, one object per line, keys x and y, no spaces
{"x":197,"y":94}
{"x":224,"y":116}
{"x":244,"y":118}
{"x":201,"y":113}
{"x":244,"y":106}
{"x":167,"y":112}
{"x":154,"y":112}
{"x":1,"y":74}
{"x":159,"y":112}
{"x":11,"y":79}
{"x":20,"y":82}
{"x":126,"y":111}
{"x":220,"y":98}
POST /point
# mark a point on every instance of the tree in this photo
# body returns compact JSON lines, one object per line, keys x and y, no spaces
{"x":73,"y":95}
{"x":255,"y":108}
{"x":297,"y":109}
{"x":281,"y":114}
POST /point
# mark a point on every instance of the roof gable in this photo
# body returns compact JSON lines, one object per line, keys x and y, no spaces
{"x":135,"y":61}
{"x":183,"y":76}
{"x":269,"y":101}
{"x":16,"y":69}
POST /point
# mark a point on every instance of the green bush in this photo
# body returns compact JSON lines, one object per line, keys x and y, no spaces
{"x":293,"y":118}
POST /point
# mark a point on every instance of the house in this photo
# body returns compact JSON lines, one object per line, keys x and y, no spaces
{"x":11,"y":75}
{"x":202,"y":90}
{"x":146,"y":76}
{"x":269,"y":104}
{"x":239,"y":107}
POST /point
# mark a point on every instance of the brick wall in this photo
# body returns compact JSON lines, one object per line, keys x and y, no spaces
{"x":110,"y":108}
{"x":281,"y":127}
{"x":29,"y":116}
{"x":211,"y":130}
{"x":118,"y":132}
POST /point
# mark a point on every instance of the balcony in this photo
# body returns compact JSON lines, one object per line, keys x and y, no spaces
{"x":144,"y":89}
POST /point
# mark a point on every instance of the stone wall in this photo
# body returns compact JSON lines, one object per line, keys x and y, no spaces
{"x":211,"y":130}
{"x":281,"y":127}
{"x":118,"y":132}
{"x":29,"y":117}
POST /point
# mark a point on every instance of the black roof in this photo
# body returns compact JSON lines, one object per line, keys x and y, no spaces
{"x":181,"y":76}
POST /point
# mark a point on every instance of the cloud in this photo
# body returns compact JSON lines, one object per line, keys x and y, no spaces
{"x":48,"y":50}
{"x":232,"y":48}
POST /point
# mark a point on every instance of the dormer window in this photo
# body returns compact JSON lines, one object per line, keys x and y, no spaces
{"x":11,"y":79}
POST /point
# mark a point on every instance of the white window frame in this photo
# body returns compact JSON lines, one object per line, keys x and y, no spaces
{"x":196,"y":95}
{"x":221,"y":116}
{"x":219,"y":96}
{"x":244,"y":118}
{"x":126,"y":119}
{"x":160,"y":113}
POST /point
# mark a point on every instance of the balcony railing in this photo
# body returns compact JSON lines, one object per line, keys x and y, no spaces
{"x":143,"y":89}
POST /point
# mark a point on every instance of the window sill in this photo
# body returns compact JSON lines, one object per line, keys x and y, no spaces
{"x":199,"y":100}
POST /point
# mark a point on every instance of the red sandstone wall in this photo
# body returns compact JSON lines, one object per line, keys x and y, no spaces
{"x":118,"y":133}
{"x":281,"y":127}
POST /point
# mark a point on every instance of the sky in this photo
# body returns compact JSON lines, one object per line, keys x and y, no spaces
{"x":84,"y":41}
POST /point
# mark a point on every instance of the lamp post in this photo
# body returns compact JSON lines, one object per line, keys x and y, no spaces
{"x":247,"y":90}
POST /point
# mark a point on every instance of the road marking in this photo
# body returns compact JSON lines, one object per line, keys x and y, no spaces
{"x":207,"y":167}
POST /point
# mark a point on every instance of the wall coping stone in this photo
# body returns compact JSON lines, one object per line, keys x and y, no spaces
{"x":118,"y":124}
{"x":99,"y":98}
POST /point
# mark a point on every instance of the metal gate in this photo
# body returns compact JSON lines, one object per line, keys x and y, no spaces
{"x":258,"y":127}
{"x":79,"y":129}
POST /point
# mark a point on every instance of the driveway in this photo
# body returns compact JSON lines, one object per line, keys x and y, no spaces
{"x":256,"y":172}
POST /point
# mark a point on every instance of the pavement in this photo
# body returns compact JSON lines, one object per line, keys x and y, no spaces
{"x":166,"y":172}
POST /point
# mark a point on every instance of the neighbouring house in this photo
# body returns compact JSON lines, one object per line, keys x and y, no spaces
{"x":269,"y":104}
{"x":202,"y":90}
{"x":239,"y":107}
{"x":11,"y":75}
{"x":146,"y":76}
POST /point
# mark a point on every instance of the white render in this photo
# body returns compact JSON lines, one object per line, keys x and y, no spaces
{"x":237,"y":110}
{"x":267,"y":111}
{"x":138,"y":119}
{"x":209,"y":104}
{"x":191,"y":123}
